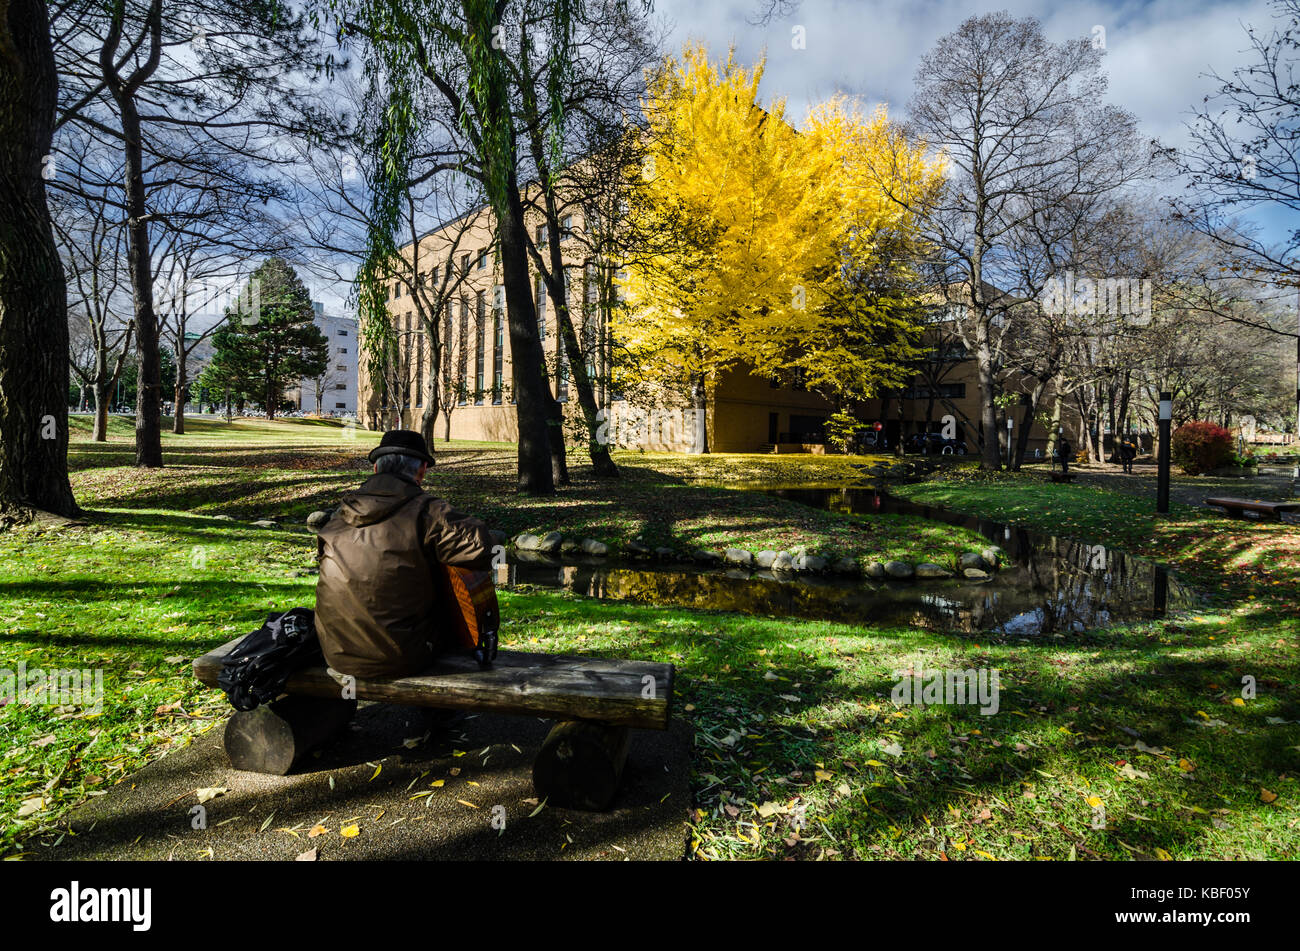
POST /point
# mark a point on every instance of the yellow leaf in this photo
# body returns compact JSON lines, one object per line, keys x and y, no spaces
{"x":1265,"y":795}
{"x":316,"y":830}
{"x":1094,"y":801}
{"x":464,"y":803}
{"x":1163,"y":856}
{"x":1238,"y":702}
{"x":350,"y":832}
{"x":438,"y":782}
{"x":376,"y":772}
{"x":821,"y":775}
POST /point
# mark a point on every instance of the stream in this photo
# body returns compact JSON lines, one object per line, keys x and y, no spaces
{"x":1047,"y":585}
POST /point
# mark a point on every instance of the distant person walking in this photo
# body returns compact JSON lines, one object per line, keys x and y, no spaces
{"x":1127,"y":453}
{"x":1063,"y":450}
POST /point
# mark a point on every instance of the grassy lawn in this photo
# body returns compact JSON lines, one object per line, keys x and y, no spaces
{"x":1129,"y":742}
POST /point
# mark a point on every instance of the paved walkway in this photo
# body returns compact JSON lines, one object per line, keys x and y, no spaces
{"x":1273,"y":484}
{"x":370,"y":779}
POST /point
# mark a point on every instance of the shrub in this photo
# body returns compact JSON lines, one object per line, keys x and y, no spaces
{"x":1200,"y":446}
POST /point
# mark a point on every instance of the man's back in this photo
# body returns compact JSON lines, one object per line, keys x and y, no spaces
{"x":379,"y":609}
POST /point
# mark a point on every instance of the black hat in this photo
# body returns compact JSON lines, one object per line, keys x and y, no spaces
{"x":405,"y":442}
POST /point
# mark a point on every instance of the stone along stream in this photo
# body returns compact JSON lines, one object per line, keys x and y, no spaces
{"x":1047,"y":585}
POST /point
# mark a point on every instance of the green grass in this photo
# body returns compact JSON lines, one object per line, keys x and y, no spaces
{"x":788,"y":715}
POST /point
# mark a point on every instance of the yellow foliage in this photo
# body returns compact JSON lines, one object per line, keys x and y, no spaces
{"x":757,"y":236}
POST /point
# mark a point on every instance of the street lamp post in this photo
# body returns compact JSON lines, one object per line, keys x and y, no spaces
{"x":1010,"y":423}
{"x":1162,"y":485}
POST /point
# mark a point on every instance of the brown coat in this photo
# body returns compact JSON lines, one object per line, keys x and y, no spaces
{"x":379,"y":608}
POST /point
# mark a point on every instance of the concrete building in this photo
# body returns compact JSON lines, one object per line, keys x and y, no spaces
{"x":334,"y":393}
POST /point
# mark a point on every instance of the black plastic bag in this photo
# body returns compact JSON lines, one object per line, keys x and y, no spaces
{"x":257,"y":669}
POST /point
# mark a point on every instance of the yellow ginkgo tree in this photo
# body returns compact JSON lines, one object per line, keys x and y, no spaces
{"x":760,"y":245}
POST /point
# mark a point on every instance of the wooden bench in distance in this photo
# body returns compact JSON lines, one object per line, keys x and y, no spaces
{"x":597,"y":700}
{"x":1242,"y":506}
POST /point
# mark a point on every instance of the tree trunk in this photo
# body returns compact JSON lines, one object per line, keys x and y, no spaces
{"x":103,"y":394}
{"x":990,"y":457}
{"x":148,"y":393}
{"x":178,"y":398}
{"x":1029,"y":401}
{"x":528,"y":366}
{"x":701,"y":403}
{"x":33,"y":297}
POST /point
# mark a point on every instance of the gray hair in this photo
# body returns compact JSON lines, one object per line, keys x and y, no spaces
{"x":399,"y":465}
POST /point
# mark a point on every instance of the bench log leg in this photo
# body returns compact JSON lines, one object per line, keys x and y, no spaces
{"x":580,"y":764}
{"x":275,"y":737}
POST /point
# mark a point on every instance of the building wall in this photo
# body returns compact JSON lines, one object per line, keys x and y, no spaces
{"x":745,"y":411}
{"x":340,"y":394}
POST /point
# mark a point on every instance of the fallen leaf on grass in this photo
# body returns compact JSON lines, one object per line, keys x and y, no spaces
{"x":210,"y":792}
{"x":1266,"y":796}
{"x":350,"y":832}
{"x":308,"y":856}
{"x":316,"y":830}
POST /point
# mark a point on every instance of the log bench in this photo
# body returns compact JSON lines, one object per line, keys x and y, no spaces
{"x":596,"y":701}
{"x":1239,"y":507}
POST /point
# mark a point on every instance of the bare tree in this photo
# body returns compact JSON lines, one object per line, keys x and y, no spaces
{"x":91,"y":243}
{"x":1017,"y":118}
{"x":184,"y":87}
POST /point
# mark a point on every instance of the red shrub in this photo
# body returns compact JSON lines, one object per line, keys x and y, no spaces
{"x":1199,"y":447}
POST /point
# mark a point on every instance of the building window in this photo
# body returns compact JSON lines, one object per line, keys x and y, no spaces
{"x":462,"y":354}
{"x":343,"y":333}
{"x":948,"y":391}
{"x":541,"y":307}
{"x":798,"y":383}
{"x":340,"y":405}
{"x":541,"y":235}
{"x":482,"y":259}
{"x":562,"y":379}
{"x":775,"y":382}
{"x":343,"y":349}
{"x":340,"y":366}
{"x":419,"y":370}
{"x":480,"y":325}
{"x":397,"y":291}
{"x":464,"y":264}
{"x":498,"y":347}
{"x":566,"y":227}
{"x":340,"y":386}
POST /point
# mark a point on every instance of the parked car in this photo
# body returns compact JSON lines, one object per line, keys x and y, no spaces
{"x":934,"y":444}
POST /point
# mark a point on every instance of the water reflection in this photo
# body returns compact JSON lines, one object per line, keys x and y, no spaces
{"x":1050,"y":585}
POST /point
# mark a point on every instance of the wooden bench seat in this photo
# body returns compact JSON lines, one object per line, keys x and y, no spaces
{"x":1241,"y":506}
{"x":597,"y":700}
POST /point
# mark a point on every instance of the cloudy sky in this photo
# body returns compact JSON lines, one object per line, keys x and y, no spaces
{"x":1157,"y":53}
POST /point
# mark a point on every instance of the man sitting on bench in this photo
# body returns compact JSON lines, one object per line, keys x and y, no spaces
{"x":379,"y":611}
